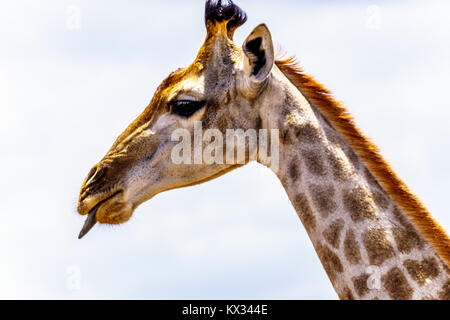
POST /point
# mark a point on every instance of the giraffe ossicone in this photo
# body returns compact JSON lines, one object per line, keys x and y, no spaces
{"x":373,"y":236}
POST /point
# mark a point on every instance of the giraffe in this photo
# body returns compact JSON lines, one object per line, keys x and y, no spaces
{"x":374,"y":238}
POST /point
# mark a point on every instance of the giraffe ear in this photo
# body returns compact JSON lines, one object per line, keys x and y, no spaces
{"x":259,"y":53}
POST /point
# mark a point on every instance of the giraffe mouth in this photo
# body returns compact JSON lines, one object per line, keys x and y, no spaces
{"x":91,"y":220}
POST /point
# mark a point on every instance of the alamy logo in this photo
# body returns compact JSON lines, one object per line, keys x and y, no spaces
{"x":73,"y":281}
{"x":207,"y":146}
{"x":73,"y":21}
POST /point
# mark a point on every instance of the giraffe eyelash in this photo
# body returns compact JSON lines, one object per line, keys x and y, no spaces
{"x":185,"y":108}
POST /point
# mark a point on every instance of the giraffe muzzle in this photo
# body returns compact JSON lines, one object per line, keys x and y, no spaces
{"x":91,"y":219}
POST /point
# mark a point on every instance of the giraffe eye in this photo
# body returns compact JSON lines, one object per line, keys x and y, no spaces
{"x":185,"y":108}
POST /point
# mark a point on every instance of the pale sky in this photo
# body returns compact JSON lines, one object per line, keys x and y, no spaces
{"x":66,"y":94}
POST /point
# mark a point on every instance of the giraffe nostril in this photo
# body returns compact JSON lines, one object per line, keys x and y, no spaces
{"x":91,"y":174}
{"x":94,"y":175}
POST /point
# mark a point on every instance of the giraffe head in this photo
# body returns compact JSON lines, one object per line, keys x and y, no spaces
{"x":220,"y":88}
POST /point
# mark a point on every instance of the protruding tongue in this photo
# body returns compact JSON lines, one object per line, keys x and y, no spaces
{"x":89,"y":224}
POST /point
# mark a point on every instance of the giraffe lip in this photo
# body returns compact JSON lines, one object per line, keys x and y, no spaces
{"x":91,"y":220}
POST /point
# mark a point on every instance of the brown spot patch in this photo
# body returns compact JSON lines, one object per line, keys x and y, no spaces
{"x":346,"y":294}
{"x":406,"y":237}
{"x":396,"y":285}
{"x":314,"y":162}
{"x":294,"y":129}
{"x":421,"y":271}
{"x":284,"y":132}
{"x":294,"y":171}
{"x":284,"y":127}
{"x":307,"y":132}
{"x":445,"y":293}
{"x":333,"y":233}
{"x":354,"y":160}
{"x":330,"y":261}
{"x":446,"y":268}
{"x":360,"y":285}
{"x":323,"y":199}
{"x":339,"y":166}
{"x":359,"y":204}
{"x":351,"y":248}
{"x":378,"y":247}
{"x":380,"y":199}
{"x":333,"y":136}
{"x":304,"y":211}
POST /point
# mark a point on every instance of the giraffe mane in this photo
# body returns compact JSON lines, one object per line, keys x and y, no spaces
{"x":369,"y":153}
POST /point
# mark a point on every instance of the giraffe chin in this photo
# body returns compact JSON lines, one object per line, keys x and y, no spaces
{"x":113,"y":210}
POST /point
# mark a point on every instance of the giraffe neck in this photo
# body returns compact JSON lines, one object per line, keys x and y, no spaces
{"x":367,"y":245}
